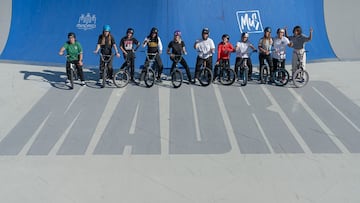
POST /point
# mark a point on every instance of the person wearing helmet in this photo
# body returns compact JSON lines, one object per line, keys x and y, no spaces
{"x":242,"y":51}
{"x":175,"y":48}
{"x":298,"y":41}
{"x":106,"y":42}
{"x":280,"y":44}
{"x":205,"y":48}
{"x":127,"y":44}
{"x":223,"y":55}
{"x":265,"y":46}
{"x":154,"y":45}
{"x":75,"y":55}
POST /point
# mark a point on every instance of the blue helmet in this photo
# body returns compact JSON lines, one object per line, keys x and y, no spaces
{"x":107,"y":28}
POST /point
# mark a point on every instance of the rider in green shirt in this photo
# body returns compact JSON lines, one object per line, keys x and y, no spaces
{"x":74,"y":55}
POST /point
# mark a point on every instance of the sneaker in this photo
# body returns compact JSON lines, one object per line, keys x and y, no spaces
{"x":82,"y":83}
{"x":67,"y":82}
{"x":99,"y":81}
{"x":109,"y":81}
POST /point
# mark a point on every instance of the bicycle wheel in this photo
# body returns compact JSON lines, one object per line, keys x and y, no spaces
{"x":264,"y":74}
{"x":227,"y":76}
{"x":176,"y":78}
{"x":149,"y":77}
{"x":245,"y":76}
{"x":121,"y":78}
{"x":205,"y":77}
{"x":71,"y":78}
{"x":300,"y":78}
{"x":104,"y":74}
{"x":281,"y":77}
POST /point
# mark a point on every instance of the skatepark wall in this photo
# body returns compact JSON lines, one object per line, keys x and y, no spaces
{"x":34,"y":30}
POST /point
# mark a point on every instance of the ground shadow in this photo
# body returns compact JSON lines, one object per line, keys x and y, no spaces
{"x":57,"y":78}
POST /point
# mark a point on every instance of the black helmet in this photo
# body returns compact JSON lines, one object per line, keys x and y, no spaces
{"x":71,"y":34}
{"x":244,"y":34}
{"x":267,"y":29}
{"x":225,"y":36}
{"x":297,"y":28}
{"x":154,"y":30}
{"x":205,"y":31}
{"x":130,"y":30}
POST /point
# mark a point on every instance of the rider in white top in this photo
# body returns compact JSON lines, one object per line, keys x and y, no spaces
{"x":279,"y":46}
{"x":242,"y":51}
{"x":205,"y":48}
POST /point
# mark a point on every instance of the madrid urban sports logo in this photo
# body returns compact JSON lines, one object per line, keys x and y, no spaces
{"x":249,"y":21}
{"x":86,"y":22}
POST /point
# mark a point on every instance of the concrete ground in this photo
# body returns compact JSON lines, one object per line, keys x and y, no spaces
{"x":318,"y":163}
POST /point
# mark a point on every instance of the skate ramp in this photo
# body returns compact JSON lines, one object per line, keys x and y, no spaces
{"x":39,"y":28}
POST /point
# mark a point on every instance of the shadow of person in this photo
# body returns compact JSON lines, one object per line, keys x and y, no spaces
{"x":56,"y":79}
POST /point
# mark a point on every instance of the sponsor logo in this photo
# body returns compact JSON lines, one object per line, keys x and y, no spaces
{"x":249,"y":21}
{"x":86,"y":22}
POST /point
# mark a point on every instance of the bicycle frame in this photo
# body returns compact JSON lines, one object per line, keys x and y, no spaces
{"x":150,"y":60}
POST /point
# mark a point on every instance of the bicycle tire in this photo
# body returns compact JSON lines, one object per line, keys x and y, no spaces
{"x":104,"y":77}
{"x":121,"y":78}
{"x":245,"y":76}
{"x":300,"y":78}
{"x":149,"y":77}
{"x":205,"y":77}
{"x":264,"y":74}
{"x":227,"y":76}
{"x":71,"y":78}
{"x":176,"y":78}
{"x":281,"y":77}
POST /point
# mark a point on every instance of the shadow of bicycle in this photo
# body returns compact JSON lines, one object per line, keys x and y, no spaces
{"x":57,"y":79}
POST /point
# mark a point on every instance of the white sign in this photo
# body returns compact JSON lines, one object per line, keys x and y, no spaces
{"x":249,"y":21}
{"x":86,"y":22}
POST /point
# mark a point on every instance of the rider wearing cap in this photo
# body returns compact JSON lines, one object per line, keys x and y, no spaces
{"x":242,"y":51}
{"x":75,"y":55}
{"x":177,"y":47}
{"x":127,"y":44}
{"x":106,"y":42}
{"x":223,"y":56}
{"x":154,"y":45}
{"x":205,"y":48}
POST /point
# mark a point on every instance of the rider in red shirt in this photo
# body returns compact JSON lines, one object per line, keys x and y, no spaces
{"x":224,"y":50}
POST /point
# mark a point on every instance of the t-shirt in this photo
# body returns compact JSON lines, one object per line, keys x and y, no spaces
{"x":224,"y":50}
{"x":154,"y":45}
{"x":242,"y":49}
{"x":299,"y":41}
{"x":280,"y":47}
{"x":106,"y":44}
{"x":176,"y":47}
{"x":204,"y":47}
{"x":266,"y":44}
{"x":128,"y":44}
{"x":73,"y":50}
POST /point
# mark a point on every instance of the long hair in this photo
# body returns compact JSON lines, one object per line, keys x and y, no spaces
{"x":103,"y":39}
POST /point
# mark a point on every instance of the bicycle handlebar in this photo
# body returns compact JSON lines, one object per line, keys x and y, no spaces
{"x":176,"y":57}
{"x":109,"y":57}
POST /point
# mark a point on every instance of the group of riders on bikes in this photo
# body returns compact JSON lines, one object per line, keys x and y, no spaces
{"x":270,"y":49}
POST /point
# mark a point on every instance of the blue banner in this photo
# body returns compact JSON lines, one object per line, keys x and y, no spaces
{"x":39,"y":28}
